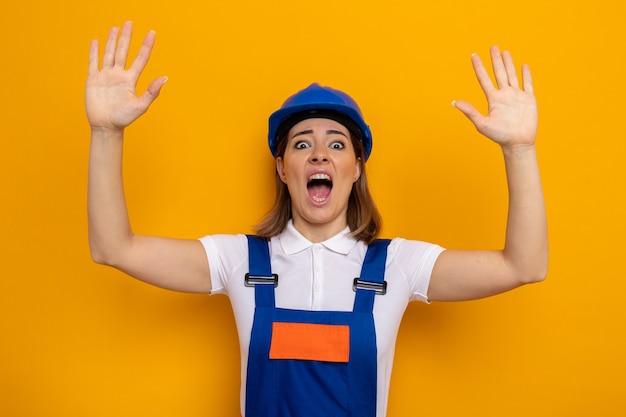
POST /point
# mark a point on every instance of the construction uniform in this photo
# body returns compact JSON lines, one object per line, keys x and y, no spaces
{"x":315,"y":278}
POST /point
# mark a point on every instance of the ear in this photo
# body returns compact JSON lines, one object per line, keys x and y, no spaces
{"x":280,"y":169}
{"x":357,"y":170}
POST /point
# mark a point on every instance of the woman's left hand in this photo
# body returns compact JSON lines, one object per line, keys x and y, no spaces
{"x":511,"y":118}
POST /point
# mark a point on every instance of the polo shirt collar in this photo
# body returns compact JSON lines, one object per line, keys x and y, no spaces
{"x":293,"y":242}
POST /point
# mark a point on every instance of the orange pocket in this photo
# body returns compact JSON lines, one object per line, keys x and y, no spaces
{"x":305,"y":341}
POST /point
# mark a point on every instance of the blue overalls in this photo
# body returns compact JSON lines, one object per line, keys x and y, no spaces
{"x":312,"y":363}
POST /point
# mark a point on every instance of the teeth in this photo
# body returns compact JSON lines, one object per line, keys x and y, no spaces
{"x":319,"y":177}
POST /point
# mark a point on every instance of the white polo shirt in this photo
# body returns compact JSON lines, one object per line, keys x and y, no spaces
{"x":318,"y":276}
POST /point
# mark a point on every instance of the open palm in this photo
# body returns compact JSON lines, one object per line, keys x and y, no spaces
{"x":111,"y":99}
{"x":511,"y":118}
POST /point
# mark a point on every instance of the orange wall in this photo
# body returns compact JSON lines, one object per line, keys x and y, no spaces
{"x":80,"y":339}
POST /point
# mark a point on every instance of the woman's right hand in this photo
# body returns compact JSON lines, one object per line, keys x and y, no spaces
{"x":111,"y":100}
{"x":112,"y":104}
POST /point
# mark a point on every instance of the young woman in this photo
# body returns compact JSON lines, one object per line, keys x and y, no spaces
{"x":317,"y":297}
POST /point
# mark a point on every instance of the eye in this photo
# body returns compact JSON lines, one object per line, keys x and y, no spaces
{"x":337,"y":145}
{"x":301,"y":145}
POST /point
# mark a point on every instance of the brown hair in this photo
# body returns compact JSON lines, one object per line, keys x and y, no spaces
{"x":363,"y":217}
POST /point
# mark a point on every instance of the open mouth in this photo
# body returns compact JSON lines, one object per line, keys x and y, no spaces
{"x":319,"y":187}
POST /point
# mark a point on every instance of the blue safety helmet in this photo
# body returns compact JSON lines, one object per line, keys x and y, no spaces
{"x":323,"y":102}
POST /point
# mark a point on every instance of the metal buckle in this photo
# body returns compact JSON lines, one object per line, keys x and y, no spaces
{"x":378,"y":287}
{"x":252,"y":280}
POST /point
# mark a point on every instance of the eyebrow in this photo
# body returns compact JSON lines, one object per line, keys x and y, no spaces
{"x":328,"y":132}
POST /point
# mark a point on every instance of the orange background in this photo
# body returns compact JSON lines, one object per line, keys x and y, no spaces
{"x":80,"y":339}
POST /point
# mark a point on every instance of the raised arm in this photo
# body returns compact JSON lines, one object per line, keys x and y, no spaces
{"x":511,"y":122}
{"x":112,"y":104}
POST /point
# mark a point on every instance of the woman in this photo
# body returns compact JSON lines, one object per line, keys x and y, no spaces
{"x":318,"y":299}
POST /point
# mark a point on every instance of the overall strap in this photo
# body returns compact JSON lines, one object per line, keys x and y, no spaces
{"x":372,"y":279}
{"x":260,"y":272}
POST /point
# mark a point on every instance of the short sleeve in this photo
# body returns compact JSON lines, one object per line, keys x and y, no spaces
{"x":416,"y":259}
{"x":226,"y":254}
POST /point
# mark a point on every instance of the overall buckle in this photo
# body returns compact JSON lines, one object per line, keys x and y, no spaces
{"x":252,"y":280}
{"x":379,"y":288}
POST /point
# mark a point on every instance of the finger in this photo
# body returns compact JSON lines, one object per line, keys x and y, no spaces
{"x":93,"y":57}
{"x":144,"y":53}
{"x":123,"y":44}
{"x":482,"y":75}
{"x":468,"y":110}
{"x":509,"y":66}
{"x":498,"y":67}
{"x":154,"y":89}
{"x":527,"y":79}
{"x":152,"y":92}
{"x":108,"y":59}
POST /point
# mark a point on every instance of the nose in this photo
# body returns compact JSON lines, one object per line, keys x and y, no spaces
{"x":319,"y":155}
